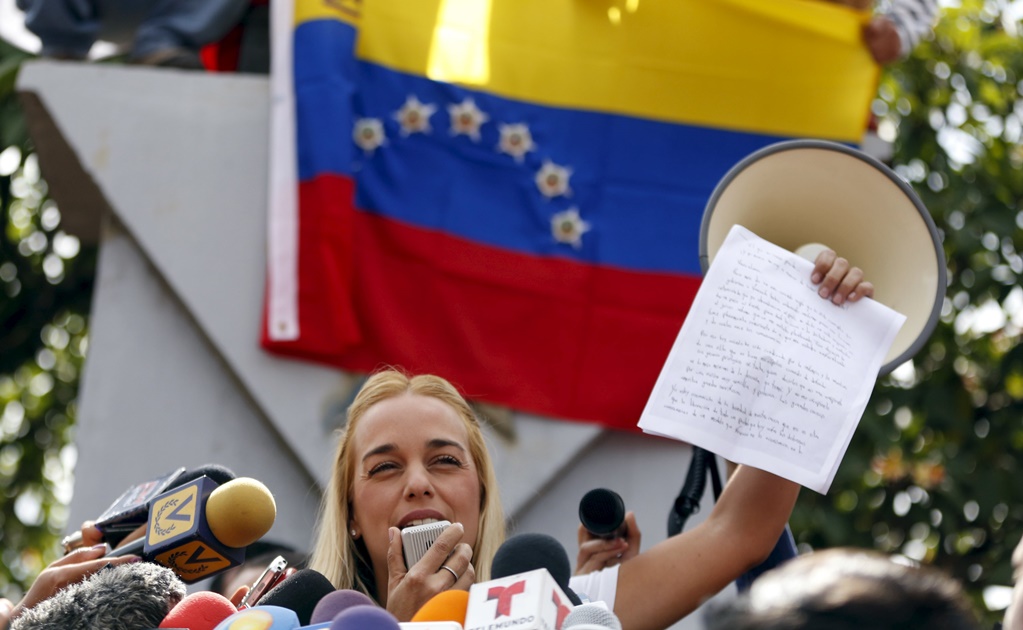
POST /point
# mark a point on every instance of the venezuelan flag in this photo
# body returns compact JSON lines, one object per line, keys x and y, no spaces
{"x":509,"y":192}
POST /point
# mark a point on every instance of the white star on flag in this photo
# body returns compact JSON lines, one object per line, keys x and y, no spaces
{"x":568,"y":227}
{"x":516,"y":140}
{"x":552,"y":180}
{"x":414,"y":116}
{"x":368,"y":134}
{"x":466,"y":119}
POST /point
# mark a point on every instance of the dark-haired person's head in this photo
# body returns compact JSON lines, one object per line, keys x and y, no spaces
{"x":847,"y":589}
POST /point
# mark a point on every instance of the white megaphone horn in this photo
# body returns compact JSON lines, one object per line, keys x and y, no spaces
{"x":808,"y":192}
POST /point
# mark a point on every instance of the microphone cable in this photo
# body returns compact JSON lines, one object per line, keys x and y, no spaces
{"x":688,"y":501}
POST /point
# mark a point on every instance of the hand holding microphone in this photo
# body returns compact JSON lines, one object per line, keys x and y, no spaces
{"x":608,"y":535}
{"x":446,"y":565}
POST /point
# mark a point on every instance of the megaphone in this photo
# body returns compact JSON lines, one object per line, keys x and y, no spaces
{"x":805,"y":192}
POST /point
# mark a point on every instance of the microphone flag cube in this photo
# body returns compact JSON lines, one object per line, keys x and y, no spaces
{"x":526,"y":601}
{"x":179,"y":537}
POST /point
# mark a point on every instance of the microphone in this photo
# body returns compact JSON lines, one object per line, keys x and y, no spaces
{"x":528,"y":552}
{"x":200,"y":529}
{"x":602,"y":513}
{"x":334,"y":603}
{"x":365,"y":618}
{"x":131,"y":510}
{"x":261,"y":618}
{"x":525,"y":601}
{"x":299,"y":593}
{"x":591,"y":617}
{"x":444,"y":606}
{"x":199,"y":611}
{"x":130,"y":596}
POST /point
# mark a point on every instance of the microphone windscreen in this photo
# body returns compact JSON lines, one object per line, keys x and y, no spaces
{"x":365,"y":618}
{"x":601,"y":511}
{"x":445,"y":606}
{"x":334,"y":603}
{"x":199,"y":611}
{"x":130,"y":596}
{"x":528,"y":552}
{"x":216,"y":472}
{"x":591,"y":616}
{"x":301,"y":593}
{"x":261,"y":618}
{"x":240,"y":512}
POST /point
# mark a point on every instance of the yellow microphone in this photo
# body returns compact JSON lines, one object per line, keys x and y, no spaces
{"x":202,"y":528}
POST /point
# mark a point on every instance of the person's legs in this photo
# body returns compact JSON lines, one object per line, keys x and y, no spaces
{"x":179,"y":27}
{"x":67,"y":28}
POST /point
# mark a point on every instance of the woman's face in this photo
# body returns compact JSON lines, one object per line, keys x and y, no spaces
{"x":412,"y":466}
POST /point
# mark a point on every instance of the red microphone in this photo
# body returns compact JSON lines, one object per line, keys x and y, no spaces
{"x":199,"y":611}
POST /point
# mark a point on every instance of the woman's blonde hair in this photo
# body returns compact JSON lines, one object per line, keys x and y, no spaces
{"x":345,"y":561}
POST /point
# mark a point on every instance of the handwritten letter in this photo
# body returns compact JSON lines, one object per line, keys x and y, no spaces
{"x":764,"y":372}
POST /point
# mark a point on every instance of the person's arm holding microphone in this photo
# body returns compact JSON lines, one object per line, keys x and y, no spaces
{"x":72,"y":568}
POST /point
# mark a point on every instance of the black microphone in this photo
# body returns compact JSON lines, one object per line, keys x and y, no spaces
{"x":300,"y":592}
{"x":528,"y":552}
{"x":602,"y":513}
{"x":131,"y":510}
{"x":130,"y":596}
{"x":201,"y":528}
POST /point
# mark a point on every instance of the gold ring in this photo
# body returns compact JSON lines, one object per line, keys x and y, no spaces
{"x":450,"y":570}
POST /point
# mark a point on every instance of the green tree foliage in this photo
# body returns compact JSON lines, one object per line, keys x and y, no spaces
{"x":933,"y":471}
{"x":45,"y":287}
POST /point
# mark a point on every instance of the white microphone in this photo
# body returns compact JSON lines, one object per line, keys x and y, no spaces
{"x":526,"y":601}
{"x":591,"y":617}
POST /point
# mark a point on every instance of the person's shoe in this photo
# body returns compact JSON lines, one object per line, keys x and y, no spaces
{"x":182,"y":58}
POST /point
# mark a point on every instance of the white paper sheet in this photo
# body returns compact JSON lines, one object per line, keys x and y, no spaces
{"x":767,"y":373}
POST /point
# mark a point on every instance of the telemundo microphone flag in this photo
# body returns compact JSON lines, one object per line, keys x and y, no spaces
{"x":509,"y":192}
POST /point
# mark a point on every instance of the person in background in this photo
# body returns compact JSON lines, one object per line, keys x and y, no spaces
{"x":162,"y":32}
{"x":897,"y":28}
{"x":847,"y":589}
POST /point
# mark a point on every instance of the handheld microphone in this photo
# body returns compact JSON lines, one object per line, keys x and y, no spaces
{"x":261,"y":618}
{"x":528,"y":552}
{"x":131,"y":510}
{"x":334,"y":603}
{"x":299,"y":593}
{"x":130,"y":596}
{"x":365,"y":618}
{"x":444,"y":606}
{"x":591,"y":617}
{"x":199,"y":611}
{"x":602,"y":513}
{"x":200,"y":529}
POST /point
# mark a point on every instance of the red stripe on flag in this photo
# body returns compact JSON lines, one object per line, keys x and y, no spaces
{"x":546,"y":335}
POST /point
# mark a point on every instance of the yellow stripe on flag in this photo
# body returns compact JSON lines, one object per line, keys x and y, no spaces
{"x":343,"y":10}
{"x":785,"y":67}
